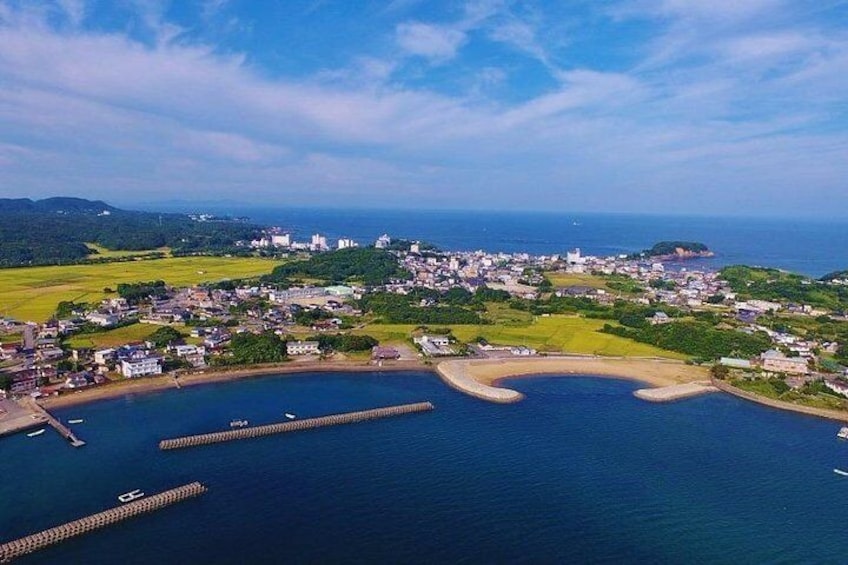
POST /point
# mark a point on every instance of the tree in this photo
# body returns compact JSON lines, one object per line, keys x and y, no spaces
{"x":5,"y":381}
{"x":720,"y":372}
{"x":164,"y":336}
{"x":249,"y":349}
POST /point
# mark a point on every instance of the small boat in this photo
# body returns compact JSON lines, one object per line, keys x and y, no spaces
{"x":841,"y":472}
{"x":843,"y":433}
{"x":290,"y":416}
{"x":238,"y":423}
{"x":130,"y":496}
{"x":77,"y":421}
{"x":37,"y":433}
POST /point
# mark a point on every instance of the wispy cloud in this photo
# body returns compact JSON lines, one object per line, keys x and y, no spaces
{"x":715,"y":105}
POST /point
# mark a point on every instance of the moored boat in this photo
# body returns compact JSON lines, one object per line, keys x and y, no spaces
{"x":238,"y":423}
{"x":36,"y":433}
{"x":130,"y":496}
{"x":77,"y":421}
{"x":290,"y":416}
{"x":841,"y":472}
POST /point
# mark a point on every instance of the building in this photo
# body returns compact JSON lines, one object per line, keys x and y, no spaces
{"x":434,"y":345}
{"x":380,"y":352}
{"x":383,"y":241}
{"x":777,"y":362}
{"x":318,"y":243}
{"x":302,"y":348}
{"x":281,"y":240}
{"x":735,"y":363}
{"x":102,"y":319}
{"x":347,"y":243}
{"x":104,"y":356}
{"x":659,"y":318}
{"x":140,"y":364}
{"x":339,"y":290}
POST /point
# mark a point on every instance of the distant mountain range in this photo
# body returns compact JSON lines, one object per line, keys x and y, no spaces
{"x":58,"y":204}
{"x":56,"y":230}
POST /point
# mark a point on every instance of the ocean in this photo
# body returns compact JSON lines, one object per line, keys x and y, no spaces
{"x":810,"y":246}
{"x":580,"y":471}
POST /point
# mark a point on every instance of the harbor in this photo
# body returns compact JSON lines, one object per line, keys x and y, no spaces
{"x":294,"y":426}
{"x":48,"y":418}
{"x":29,"y":544}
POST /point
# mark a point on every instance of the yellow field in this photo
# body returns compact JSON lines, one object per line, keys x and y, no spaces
{"x":32,"y":293}
{"x":103,"y":253}
{"x":554,"y":333}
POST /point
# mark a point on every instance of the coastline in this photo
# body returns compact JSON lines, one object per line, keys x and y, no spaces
{"x":482,"y":378}
{"x":166,"y":382}
{"x":779,"y":404}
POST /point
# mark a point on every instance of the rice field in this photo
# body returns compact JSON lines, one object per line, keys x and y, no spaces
{"x":32,"y":293}
{"x":553,"y":334}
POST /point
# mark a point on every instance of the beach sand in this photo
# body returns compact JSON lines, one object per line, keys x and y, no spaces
{"x":480,"y":378}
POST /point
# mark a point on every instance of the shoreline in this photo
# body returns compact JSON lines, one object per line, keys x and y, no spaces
{"x":165,"y":382}
{"x":666,"y":380}
{"x":483,"y":378}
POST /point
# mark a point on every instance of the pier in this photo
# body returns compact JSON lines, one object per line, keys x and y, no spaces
{"x":295,"y":425}
{"x":63,"y":430}
{"x":52,"y":536}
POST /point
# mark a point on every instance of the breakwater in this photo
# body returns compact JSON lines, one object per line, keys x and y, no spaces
{"x":294,"y":426}
{"x":57,"y":534}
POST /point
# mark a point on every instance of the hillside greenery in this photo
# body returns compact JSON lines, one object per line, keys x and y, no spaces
{"x":776,"y":285}
{"x":365,"y":265}
{"x":55,"y":231}
{"x":392,"y":308}
{"x":698,"y":339}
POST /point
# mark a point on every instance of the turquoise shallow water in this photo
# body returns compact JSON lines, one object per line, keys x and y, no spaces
{"x":579,"y":471}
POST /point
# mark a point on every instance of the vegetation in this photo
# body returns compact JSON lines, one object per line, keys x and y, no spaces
{"x":814,"y":394}
{"x":698,"y":339}
{"x":670,"y":248}
{"x":775,"y":285}
{"x":365,"y":265}
{"x":33,"y":293}
{"x":250,"y":349}
{"x":54,"y":231}
{"x":111,"y":337}
{"x":345,"y":342}
{"x":399,"y":309}
{"x":134,"y":293}
{"x":165,"y":336}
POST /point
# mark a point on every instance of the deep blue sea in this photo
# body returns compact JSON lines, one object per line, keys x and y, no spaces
{"x":580,"y":471}
{"x":810,"y":246}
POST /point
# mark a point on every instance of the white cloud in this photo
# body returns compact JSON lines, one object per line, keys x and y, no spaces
{"x":434,"y":42}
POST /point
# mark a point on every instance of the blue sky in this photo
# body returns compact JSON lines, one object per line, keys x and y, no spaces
{"x":682,"y":106}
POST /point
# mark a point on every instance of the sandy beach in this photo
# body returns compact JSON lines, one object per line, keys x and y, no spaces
{"x":480,"y":378}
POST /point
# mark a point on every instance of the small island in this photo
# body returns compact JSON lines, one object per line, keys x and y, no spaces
{"x":675,"y":251}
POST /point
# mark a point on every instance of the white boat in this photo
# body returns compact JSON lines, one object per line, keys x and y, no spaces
{"x":130,"y":496}
{"x":38,"y":433}
{"x":843,"y":433}
{"x":77,"y":421}
{"x":239,"y":423}
{"x":290,"y":416}
{"x":841,"y":472}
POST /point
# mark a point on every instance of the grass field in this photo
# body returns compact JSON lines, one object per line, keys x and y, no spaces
{"x":554,"y":333}
{"x":32,"y":293}
{"x":576,"y":279}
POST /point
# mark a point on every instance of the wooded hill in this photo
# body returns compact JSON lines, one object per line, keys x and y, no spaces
{"x":54,"y":231}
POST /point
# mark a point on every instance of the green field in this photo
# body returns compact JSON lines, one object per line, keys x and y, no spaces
{"x":32,"y":293}
{"x":560,"y":280}
{"x":103,"y":253}
{"x":553,"y":334}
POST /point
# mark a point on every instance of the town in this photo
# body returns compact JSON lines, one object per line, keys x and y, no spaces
{"x":193,"y":328}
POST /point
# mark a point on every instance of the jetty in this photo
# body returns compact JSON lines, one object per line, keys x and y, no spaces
{"x":48,"y":418}
{"x":674,"y":392}
{"x":295,"y":425}
{"x":57,"y":534}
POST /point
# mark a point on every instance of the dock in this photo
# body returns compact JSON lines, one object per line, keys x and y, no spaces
{"x":295,"y":425}
{"x":57,"y":534}
{"x":48,"y":418}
